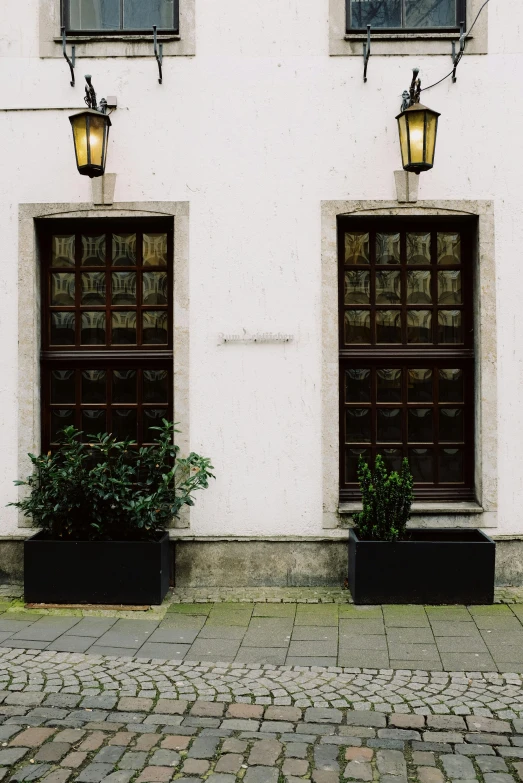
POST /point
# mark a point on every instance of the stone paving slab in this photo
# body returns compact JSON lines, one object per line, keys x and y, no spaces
{"x":449,"y":638}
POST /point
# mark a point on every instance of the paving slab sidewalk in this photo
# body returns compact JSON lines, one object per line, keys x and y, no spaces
{"x":433,"y":638}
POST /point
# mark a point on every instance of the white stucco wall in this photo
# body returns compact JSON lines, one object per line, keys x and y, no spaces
{"x":255,"y":131}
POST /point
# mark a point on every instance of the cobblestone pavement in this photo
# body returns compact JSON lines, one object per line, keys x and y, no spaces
{"x":66,"y":737}
{"x":450,"y":638}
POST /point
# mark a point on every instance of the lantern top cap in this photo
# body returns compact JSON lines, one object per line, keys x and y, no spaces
{"x":417,"y":107}
{"x":92,"y":113}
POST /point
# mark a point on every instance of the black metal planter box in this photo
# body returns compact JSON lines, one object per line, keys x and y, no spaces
{"x":447,"y":566}
{"x":96,"y":572}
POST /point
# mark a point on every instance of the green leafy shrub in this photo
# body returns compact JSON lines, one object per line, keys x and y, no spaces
{"x":387,"y":499}
{"x":108,"y":490}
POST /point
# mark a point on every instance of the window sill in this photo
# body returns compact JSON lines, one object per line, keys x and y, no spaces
{"x":350,"y":507}
{"x":99,"y":45}
{"x":405,"y":36}
{"x":131,"y":38}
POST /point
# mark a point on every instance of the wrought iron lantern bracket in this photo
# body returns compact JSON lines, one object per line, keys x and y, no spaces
{"x":158,"y":53}
{"x":90,"y":97}
{"x":412,"y":95}
{"x":72,"y":58}
{"x":366,"y":53}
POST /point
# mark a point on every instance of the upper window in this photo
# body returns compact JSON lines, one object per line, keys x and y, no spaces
{"x":405,"y":14}
{"x":120,"y":16}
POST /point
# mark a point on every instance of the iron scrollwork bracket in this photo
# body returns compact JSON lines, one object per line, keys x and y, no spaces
{"x":72,"y":58}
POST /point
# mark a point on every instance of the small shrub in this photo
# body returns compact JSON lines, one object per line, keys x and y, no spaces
{"x":108,"y":490}
{"x":387,"y":499}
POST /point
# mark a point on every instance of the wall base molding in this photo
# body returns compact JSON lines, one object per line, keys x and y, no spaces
{"x":257,"y":562}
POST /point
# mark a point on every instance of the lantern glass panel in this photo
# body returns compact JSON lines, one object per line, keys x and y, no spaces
{"x":80,"y":138}
{"x":416,"y":120}
{"x":432,"y":124}
{"x":96,"y":139}
{"x":402,"y":122}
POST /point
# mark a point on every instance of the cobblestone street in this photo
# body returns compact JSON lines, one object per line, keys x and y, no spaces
{"x":61,"y":736}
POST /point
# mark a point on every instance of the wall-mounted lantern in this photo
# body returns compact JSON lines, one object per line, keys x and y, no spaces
{"x":418,"y":127}
{"x":91,"y":134}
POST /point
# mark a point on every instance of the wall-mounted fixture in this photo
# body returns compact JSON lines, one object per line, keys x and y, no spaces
{"x":72,"y":58}
{"x":91,"y":134}
{"x":456,"y":56}
{"x":418,"y":127}
{"x":158,"y":53}
{"x":366,"y":54}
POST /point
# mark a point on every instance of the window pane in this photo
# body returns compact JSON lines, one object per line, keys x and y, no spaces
{"x":93,"y":386}
{"x":94,"y":14}
{"x":140,"y":15}
{"x":62,"y":386}
{"x":420,"y":425}
{"x":62,"y":253}
{"x":93,"y":328}
{"x":357,"y":248}
{"x":387,"y":248}
{"x":124,"y":288}
{"x":357,"y":385}
{"x":418,"y":248}
{"x":430,"y":13}
{"x":155,"y":288}
{"x":419,"y":326}
{"x":124,"y":386}
{"x":389,"y":425}
{"x":357,"y":287}
{"x":388,"y":326}
{"x":422,"y":465}
{"x":124,"y":249}
{"x":352,"y":457}
{"x":93,"y":422}
{"x":155,"y":249}
{"x":357,"y":326}
{"x":152,"y":417}
{"x":449,"y":248}
{"x":449,"y":287}
{"x":451,"y":466}
{"x":392,"y":458}
{"x":155,"y":386}
{"x":388,"y":287}
{"x":378,"y":13}
{"x":418,"y":287}
{"x":450,"y":326}
{"x":420,"y":386}
{"x":93,"y":250}
{"x":62,"y":289}
{"x":357,"y":429}
{"x":451,"y":385}
{"x":123,"y":328}
{"x":451,"y":425}
{"x":62,"y":328}
{"x":155,"y":327}
{"x":389,"y":385}
{"x":59,"y":420}
{"x":93,"y":288}
{"x":124,"y":423}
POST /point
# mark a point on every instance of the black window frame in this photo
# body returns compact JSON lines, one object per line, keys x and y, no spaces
{"x":416,"y":355}
{"x":461,"y":11}
{"x":121,"y":31}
